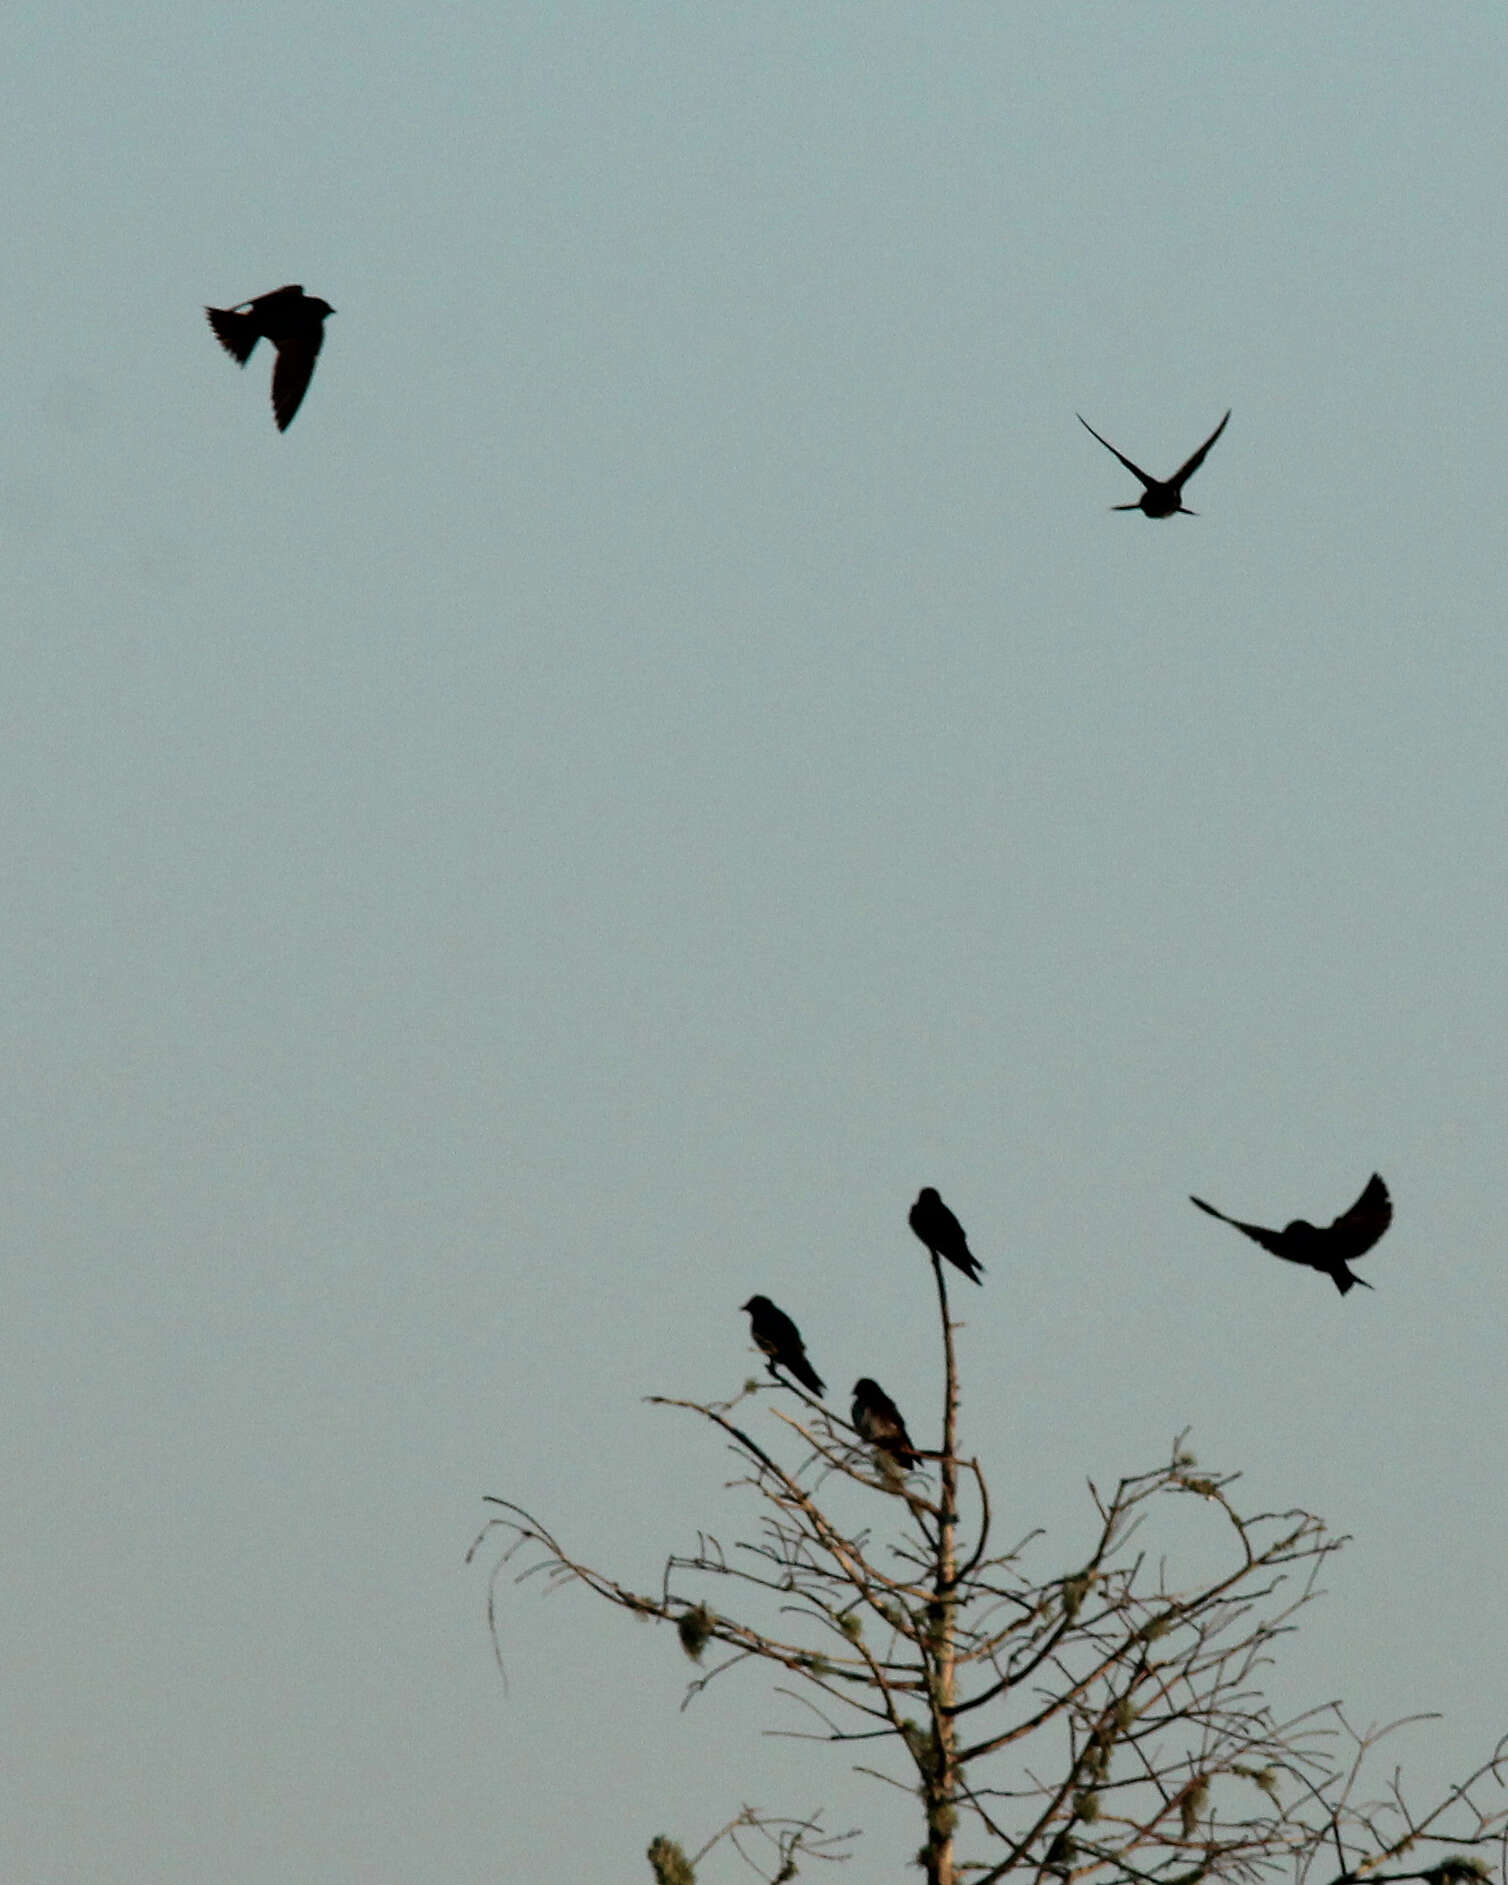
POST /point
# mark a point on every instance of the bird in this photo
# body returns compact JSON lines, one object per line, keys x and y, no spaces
{"x":877,"y":1419}
{"x":295,"y":324}
{"x":942,"y":1233}
{"x":1327,"y":1248}
{"x":774,"y":1332}
{"x":1163,"y":497}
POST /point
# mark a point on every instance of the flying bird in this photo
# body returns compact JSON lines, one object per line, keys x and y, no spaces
{"x":1163,"y":497}
{"x":295,"y":324}
{"x":1331,"y":1247}
{"x":774,"y":1332}
{"x":942,"y":1233}
{"x":877,"y":1419}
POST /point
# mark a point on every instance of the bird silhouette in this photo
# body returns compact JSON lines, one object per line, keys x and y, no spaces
{"x":1163,"y":497}
{"x":942,"y":1233}
{"x":877,"y":1419}
{"x":295,"y":324}
{"x":1328,"y":1248}
{"x":774,"y":1332}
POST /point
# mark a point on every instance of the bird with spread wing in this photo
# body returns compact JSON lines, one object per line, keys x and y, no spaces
{"x":295,"y":324}
{"x":1162,"y":497}
{"x":1328,"y":1248}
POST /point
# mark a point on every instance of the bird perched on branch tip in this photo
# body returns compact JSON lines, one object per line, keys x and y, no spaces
{"x":942,"y":1233}
{"x":877,"y":1419}
{"x":775,"y":1333}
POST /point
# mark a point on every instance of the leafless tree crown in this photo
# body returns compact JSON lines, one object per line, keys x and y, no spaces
{"x":1103,"y":1719}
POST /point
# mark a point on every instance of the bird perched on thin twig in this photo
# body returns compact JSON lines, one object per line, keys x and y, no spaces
{"x":1163,"y":497}
{"x":942,"y":1233}
{"x":295,"y":324}
{"x":877,"y":1419}
{"x":774,"y":1332}
{"x":1327,"y":1248}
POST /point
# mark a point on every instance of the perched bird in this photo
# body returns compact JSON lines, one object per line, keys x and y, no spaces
{"x":774,"y":1332}
{"x":942,"y":1233}
{"x":295,"y":324}
{"x":1163,"y":497}
{"x":1331,"y":1248}
{"x":877,"y":1419}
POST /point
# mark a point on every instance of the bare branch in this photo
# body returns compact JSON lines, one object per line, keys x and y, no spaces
{"x":1119,"y":1726}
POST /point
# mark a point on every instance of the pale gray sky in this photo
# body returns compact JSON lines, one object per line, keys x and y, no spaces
{"x":668,"y":754}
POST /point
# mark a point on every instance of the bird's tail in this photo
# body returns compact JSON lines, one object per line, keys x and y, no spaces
{"x":236,"y":333}
{"x":1346,"y":1279}
{"x":807,"y":1375}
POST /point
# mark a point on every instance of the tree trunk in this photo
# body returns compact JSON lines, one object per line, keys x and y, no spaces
{"x":940,"y":1785}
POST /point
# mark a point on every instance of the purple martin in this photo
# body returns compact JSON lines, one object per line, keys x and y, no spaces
{"x":877,"y":1419}
{"x":1330,"y":1248}
{"x":774,"y":1332}
{"x":295,"y":324}
{"x":942,"y":1233}
{"x":1163,"y":497}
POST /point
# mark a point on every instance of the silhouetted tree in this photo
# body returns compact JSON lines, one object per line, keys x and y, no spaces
{"x":1090,"y":1718}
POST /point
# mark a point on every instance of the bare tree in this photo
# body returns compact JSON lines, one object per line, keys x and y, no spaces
{"x":1102,"y":1719}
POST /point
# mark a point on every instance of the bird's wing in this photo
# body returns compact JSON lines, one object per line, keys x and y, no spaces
{"x":781,"y":1331}
{"x":1355,"y":1231}
{"x":290,"y":377}
{"x":882,"y":1426}
{"x":290,"y":291}
{"x":938,"y":1229}
{"x":1188,"y":469}
{"x":944,"y":1221}
{"x":1135,"y":470}
{"x":1273,"y":1240}
{"x":891,"y":1415}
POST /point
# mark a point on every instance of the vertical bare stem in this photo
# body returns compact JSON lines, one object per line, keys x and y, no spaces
{"x":940,"y":1782}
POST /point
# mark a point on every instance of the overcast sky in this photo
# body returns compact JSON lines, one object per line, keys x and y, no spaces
{"x":669,"y":753}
